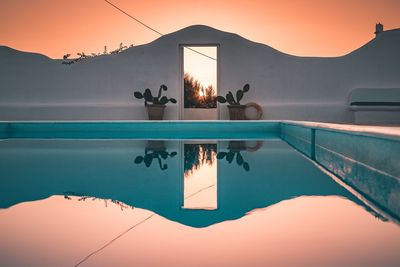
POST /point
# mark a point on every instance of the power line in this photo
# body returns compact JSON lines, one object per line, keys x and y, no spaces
{"x":152,"y":29}
{"x":132,"y":17}
{"x":130,"y":228}
{"x":200,"y":53}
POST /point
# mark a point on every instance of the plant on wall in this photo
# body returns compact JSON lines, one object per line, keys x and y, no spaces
{"x":157,"y":100}
{"x":80,"y":56}
{"x":158,"y":103}
{"x":236,"y":110}
{"x":230,"y":98}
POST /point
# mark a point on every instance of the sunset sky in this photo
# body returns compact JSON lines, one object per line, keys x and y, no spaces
{"x":299,"y":27}
{"x":200,"y":67}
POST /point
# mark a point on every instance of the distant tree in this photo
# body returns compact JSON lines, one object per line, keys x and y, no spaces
{"x":197,"y":155}
{"x":197,"y":96}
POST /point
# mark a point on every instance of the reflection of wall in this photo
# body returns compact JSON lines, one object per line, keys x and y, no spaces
{"x":33,"y":170}
{"x":369,"y":164}
{"x":287,"y":87}
{"x":276,"y":173}
{"x":37,"y":169}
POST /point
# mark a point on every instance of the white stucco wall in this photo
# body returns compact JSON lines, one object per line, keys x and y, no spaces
{"x":33,"y":86}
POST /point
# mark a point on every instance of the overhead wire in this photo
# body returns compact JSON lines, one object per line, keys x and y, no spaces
{"x":152,"y":29}
{"x":130,"y":228}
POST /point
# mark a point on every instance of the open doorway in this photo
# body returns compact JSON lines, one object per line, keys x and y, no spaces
{"x":199,"y":82}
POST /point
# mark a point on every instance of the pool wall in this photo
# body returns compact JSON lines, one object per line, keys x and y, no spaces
{"x":143,"y":130}
{"x":369,"y":163}
{"x":3,"y":130}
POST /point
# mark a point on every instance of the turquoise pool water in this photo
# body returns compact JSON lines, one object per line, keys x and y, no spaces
{"x":195,"y":202}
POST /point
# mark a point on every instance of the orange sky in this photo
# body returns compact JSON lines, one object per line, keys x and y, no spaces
{"x":299,"y":27}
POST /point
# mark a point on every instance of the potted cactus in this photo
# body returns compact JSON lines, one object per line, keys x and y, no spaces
{"x":236,"y":110}
{"x":156,"y":109}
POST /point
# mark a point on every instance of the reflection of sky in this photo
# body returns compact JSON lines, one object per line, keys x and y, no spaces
{"x":201,"y":187}
{"x":200,"y":182}
{"x":305,"y":231}
{"x":200,"y":67}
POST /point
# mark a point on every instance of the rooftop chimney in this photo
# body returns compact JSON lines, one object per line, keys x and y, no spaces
{"x":378,"y":28}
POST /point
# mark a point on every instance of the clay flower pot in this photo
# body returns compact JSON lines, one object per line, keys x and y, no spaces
{"x":155,"y":111}
{"x":236,"y":112}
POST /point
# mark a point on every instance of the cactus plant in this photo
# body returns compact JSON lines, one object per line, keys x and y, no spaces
{"x":230,"y":98}
{"x":158,"y":100}
{"x":236,"y":110}
{"x":157,"y":106}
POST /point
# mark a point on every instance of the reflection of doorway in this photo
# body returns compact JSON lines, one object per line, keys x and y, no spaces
{"x":200,"y":189}
{"x":199,"y":82}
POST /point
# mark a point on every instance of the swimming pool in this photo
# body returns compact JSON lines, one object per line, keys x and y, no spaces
{"x":196,"y":194}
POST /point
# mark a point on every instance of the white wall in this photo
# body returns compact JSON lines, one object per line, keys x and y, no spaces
{"x":33,"y":86}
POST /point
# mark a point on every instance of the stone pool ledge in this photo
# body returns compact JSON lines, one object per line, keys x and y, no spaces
{"x":368,"y":130}
{"x":365,"y":157}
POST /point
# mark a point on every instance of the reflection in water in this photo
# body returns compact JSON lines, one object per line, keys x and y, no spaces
{"x":305,"y":231}
{"x":235,"y":147}
{"x":200,"y":176}
{"x":155,"y":150}
{"x":197,"y":155}
{"x":104,"y":169}
{"x":71,"y":196}
{"x":294,"y":210}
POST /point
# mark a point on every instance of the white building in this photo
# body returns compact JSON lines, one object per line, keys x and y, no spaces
{"x":35,"y":87}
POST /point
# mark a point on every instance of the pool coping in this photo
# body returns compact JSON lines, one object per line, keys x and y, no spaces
{"x":387,"y":132}
{"x":364,"y":130}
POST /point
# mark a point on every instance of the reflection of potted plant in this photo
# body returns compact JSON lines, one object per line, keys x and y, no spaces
{"x":236,"y":110}
{"x":156,"y":109}
{"x":235,"y":147}
{"x":155,"y":150}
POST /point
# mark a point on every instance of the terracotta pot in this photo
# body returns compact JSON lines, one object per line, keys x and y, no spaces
{"x":155,"y":145}
{"x":237,"y":146}
{"x":236,"y":112}
{"x":155,"y":111}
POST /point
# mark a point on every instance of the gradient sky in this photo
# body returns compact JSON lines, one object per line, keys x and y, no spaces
{"x":201,"y":68}
{"x":299,"y":27}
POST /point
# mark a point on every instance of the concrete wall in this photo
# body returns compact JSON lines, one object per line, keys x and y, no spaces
{"x":33,"y":86}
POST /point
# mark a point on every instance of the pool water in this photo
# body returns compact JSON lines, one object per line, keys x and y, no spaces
{"x":182,"y":203}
